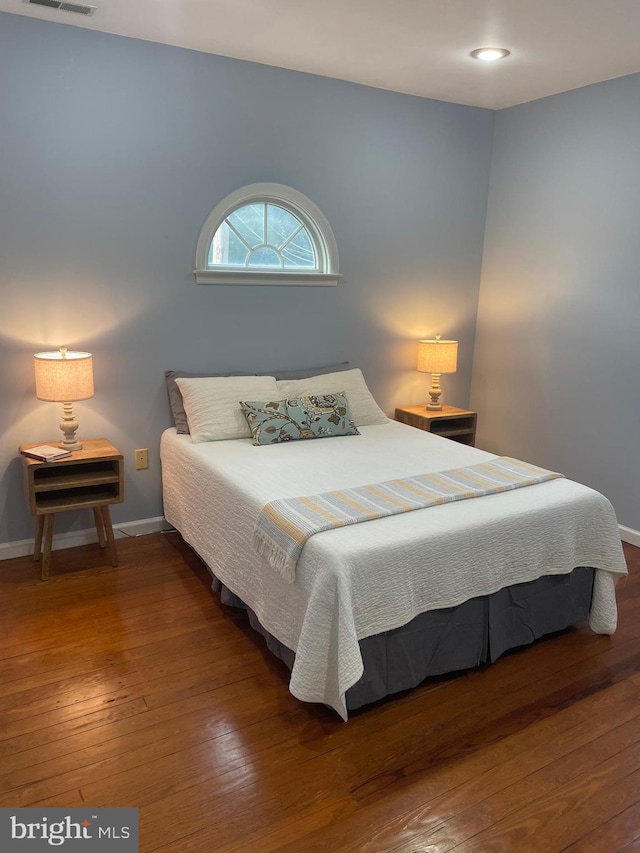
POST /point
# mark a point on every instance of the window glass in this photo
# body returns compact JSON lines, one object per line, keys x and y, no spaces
{"x":299,"y":252}
{"x":248,"y":222}
{"x":262,"y":235}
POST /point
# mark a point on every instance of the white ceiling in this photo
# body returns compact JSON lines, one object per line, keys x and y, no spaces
{"x":416,"y":46}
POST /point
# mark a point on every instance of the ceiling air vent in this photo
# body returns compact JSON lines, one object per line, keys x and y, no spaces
{"x":79,"y":8}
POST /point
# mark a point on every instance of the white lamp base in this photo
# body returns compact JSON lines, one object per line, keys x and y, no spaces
{"x":434,"y":392}
{"x":69,"y":426}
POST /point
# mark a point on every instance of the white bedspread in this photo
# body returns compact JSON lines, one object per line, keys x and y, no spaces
{"x":356,"y":581}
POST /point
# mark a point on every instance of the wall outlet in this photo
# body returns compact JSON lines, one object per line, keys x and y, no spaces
{"x":142,"y":458}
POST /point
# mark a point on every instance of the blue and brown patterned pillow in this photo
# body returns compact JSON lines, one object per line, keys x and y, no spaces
{"x":298,"y":418}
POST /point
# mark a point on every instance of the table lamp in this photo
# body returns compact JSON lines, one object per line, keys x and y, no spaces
{"x":436,"y":357}
{"x":64,"y":377}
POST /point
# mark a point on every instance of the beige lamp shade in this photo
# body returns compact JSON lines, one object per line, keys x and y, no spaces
{"x":437,"y":356}
{"x":63,"y":377}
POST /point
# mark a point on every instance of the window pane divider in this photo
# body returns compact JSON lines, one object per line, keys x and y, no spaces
{"x":239,"y":235}
{"x":289,"y":239}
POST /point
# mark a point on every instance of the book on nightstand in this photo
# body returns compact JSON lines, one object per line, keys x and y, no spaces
{"x":46,"y":453}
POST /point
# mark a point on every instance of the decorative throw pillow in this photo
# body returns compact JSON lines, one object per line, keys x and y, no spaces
{"x":364,"y":408}
{"x":211,"y":404}
{"x":298,"y":418}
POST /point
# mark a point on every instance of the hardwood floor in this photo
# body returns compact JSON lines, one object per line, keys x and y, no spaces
{"x":134,"y":686}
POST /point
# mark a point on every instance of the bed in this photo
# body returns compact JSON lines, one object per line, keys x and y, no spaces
{"x":377,"y":607}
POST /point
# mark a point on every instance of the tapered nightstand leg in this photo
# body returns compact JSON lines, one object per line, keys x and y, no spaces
{"x":97,"y":516}
{"x":37,"y":547}
{"x":108,"y":529}
{"x":48,"y":536}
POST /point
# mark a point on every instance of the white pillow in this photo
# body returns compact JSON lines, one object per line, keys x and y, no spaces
{"x":212,"y":404}
{"x":363,"y":407}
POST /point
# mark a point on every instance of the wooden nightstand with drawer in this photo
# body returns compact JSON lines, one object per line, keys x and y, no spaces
{"x":451,"y":422}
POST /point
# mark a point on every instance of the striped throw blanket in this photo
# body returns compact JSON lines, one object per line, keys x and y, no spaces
{"x":284,"y":526}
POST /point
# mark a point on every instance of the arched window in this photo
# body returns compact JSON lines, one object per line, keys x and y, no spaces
{"x":266,"y":234}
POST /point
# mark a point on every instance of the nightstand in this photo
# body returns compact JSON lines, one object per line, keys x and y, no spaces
{"x":91,"y":478}
{"x":451,"y":422}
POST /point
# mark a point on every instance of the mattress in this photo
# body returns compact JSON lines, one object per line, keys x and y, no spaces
{"x":359,"y":581}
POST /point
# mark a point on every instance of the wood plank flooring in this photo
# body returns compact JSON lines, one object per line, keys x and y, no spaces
{"x":134,"y":686}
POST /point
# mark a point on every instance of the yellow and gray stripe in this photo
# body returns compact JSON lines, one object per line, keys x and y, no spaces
{"x":284,"y":526}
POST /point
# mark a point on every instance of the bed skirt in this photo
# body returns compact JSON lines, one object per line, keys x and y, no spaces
{"x":456,"y":638}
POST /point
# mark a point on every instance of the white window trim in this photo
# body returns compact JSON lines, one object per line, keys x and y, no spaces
{"x":312,"y":218}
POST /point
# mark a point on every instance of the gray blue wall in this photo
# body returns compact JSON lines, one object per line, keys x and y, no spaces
{"x":112,"y":153}
{"x":557,"y":361}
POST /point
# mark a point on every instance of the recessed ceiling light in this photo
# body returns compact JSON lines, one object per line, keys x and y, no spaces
{"x":490,"y":54}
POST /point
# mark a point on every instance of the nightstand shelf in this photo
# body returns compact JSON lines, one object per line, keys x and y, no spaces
{"x":61,"y":501}
{"x":452,"y":422}
{"x":91,"y":478}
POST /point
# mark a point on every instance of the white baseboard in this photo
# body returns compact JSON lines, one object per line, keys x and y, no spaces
{"x":629,"y":535}
{"x":23,"y":547}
